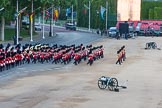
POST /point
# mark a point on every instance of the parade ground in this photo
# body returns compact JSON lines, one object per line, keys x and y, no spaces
{"x":75,"y":86}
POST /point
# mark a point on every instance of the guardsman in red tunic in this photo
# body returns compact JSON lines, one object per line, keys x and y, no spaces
{"x":64,"y":58}
{"x":84,"y":55}
{"x":90,"y":59}
{"x":79,"y":58}
{"x":34,"y":58}
{"x":1,"y":65}
{"x":1,"y":62}
{"x":7,"y":63}
{"x":20,"y":59}
{"x":28,"y":58}
{"x":55,"y":58}
{"x":76,"y":58}
{"x":118,"y":58}
{"x":42,"y":57}
{"x":13,"y":61}
{"x":59,"y":56}
{"x":46,"y":56}
{"x":100,"y":52}
{"x":95,"y":55}
{"x":23,"y":54}
{"x":38,"y":56}
{"x":68,"y":57}
{"x":17,"y":59}
{"x":123,"y":53}
{"x":50,"y":55}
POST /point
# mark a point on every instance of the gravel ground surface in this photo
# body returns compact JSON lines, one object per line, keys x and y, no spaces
{"x":76,"y":86}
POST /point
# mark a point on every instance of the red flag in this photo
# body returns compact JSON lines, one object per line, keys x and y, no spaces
{"x":47,"y":14}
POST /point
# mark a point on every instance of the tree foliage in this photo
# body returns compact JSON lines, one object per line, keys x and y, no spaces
{"x":78,"y":6}
{"x":7,"y":10}
{"x":151,"y":14}
{"x":145,"y":9}
{"x":96,"y":21}
{"x":157,"y":13}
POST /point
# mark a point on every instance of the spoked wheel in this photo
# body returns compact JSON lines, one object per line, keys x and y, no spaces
{"x":102,"y":84}
{"x":154,"y":46}
{"x":112,"y":84}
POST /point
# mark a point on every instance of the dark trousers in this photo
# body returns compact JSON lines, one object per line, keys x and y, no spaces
{"x":118,"y":61}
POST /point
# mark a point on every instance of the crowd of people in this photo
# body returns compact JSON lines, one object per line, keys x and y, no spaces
{"x":11,"y":57}
{"x":121,"y":55}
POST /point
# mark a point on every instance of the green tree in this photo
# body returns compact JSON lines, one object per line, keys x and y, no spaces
{"x":151,"y":14}
{"x":82,"y":19}
{"x":157,"y":13}
{"x":96,"y":21}
{"x":146,"y":6}
{"x":4,"y":14}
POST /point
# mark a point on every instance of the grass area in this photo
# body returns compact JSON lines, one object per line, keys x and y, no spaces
{"x":10,"y":32}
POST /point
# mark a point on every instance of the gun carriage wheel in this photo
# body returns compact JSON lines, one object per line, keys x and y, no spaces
{"x":112,"y":84}
{"x":102,"y":84}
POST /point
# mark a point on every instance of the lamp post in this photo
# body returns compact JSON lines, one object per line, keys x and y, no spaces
{"x":2,"y":28}
{"x":106,"y":13}
{"x":16,"y":39}
{"x":72,"y":18}
{"x":17,"y":29}
{"x":52,"y":19}
{"x":89,"y":8}
{"x":50,"y":25}
{"x":43,"y":23}
{"x":89,"y":16}
{"x":31,"y":21}
{"x":17,"y":19}
{"x":31,"y":27}
{"x":15,"y":36}
{"x":52,"y":29}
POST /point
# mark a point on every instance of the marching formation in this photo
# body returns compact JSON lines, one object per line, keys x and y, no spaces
{"x":121,"y":55}
{"x":40,"y":53}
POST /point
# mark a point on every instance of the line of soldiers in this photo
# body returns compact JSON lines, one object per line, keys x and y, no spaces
{"x":121,"y":55}
{"x":95,"y":53}
{"x":39,"y":53}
